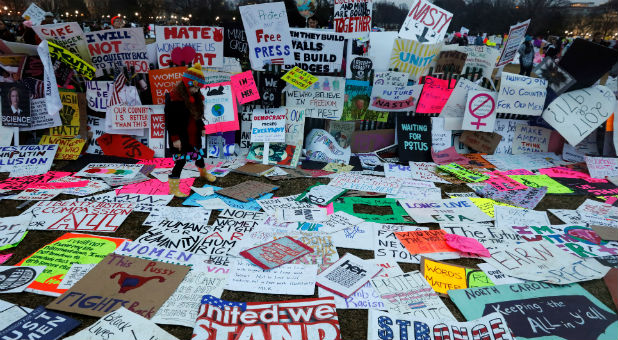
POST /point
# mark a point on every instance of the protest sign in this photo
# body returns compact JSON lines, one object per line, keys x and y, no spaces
{"x":244,"y":87}
{"x":450,"y":62}
{"x":58,"y":255}
{"x":480,"y":111}
{"x":102,"y":170}
{"x":276,"y":253}
{"x":122,"y":324}
{"x":414,"y":138}
{"x":523,"y":197}
{"x":235,"y":42}
{"x":67,"y":35}
{"x":33,"y":194}
{"x":521,"y":95}
{"x":394,"y":98}
{"x":393,"y":212}
{"x":220,"y":114}
{"x":352,"y":17}
{"x":76,"y":273}
{"x":143,"y":203}
{"x":117,"y":49}
{"x":142,"y":285}
{"x":516,"y":36}
{"x":542,"y":305}
{"x":156,"y":137}
{"x":486,"y":234}
{"x":496,"y":276}
{"x":600,"y":60}
{"x":40,"y":118}
{"x":296,"y":279}
{"x":424,"y":241}
{"x":299,"y":78}
{"x":130,"y":117}
{"x":356,"y":105}
{"x":347,"y":275}
{"x":79,"y":216}
{"x":446,"y":210}
{"x":40,"y":323}
{"x":34,"y":14}
{"x":317,"y":51}
{"x":15,"y":99}
{"x":425,"y":23}
{"x":189,"y":44}
{"x":324,"y":99}
{"x":410,"y":294}
{"x":558,"y":79}
{"x":165,"y":213}
{"x":484,"y":142}
{"x":286,"y":154}
{"x":25,"y":160}
{"x":123,"y":146}
{"x":71,"y":60}
{"x":413,"y":57}
{"x":537,"y":181}
{"x":592,"y":106}
{"x":443,"y":276}
{"x":543,"y":261}
{"x":454,"y":108}
{"x":423,"y":171}
{"x":390,"y":78}
{"x":14,"y":279}
{"x":162,"y":81}
{"x":13,"y":230}
{"x":530,"y":161}
{"x":581,"y":241}
{"x":20,"y":183}
{"x":97,"y":93}
{"x":71,"y":114}
{"x":155,"y":187}
{"x":68,"y":148}
{"x":435,"y":94}
{"x":321,"y":194}
{"x":295,"y":320}
{"x":365,"y":183}
{"x":463,"y":173}
{"x":491,"y":326}
{"x":268,"y":34}
{"x":602,"y":167}
{"x":530,"y":139}
{"x":248,"y":190}
{"x":268,"y":125}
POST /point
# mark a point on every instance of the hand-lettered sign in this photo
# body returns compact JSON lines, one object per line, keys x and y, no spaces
{"x":352,"y":16}
{"x":118,"y":48}
{"x":243,"y":85}
{"x":199,"y":44}
{"x":425,"y":23}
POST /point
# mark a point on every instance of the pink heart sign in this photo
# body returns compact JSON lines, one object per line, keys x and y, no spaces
{"x":183,"y":56}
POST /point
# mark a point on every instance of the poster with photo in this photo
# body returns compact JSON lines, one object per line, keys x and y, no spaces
{"x":15,"y":99}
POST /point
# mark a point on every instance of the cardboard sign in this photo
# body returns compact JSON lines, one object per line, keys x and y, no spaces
{"x":450,"y":62}
{"x":352,"y":17}
{"x":517,"y":34}
{"x":15,"y":105}
{"x":316,"y":51}
{"x":40,"y":323}
{"x":577,"y":113}
{"x":220,"y":113}
{"x":72,"y":60}
{"x":68,"y":36}
{"x":530,"y":139}
{"x":521,"y":95}
{"x":162,"y":81}
{"x":102,"y":170}
{"x":394,"y":98}
{"x":299,"y":78}
{"x":413,"y":57}
{"x":347,"y":275}
{"x":425,"y":23}
{"x":411,"y":294}
{"x":551,"y":305}
{"x":414,"y":138}
{"x":324,"y":99}
{"x":436,"y":93}
{"x":268,"y":125}
{"x":298,"y":324}
{"x":60,"y":253}
{"x":268,"y":34}
{"x":492,"y":326}
{"x":248,"y":190}
{"x":122,"y":324}
{"x":79,"y":216}
{"x":244,"y":87}
{"x":118,"y":48}
{"x":549,"y":264}
{"x":484,"y":142}
{"x":446,"y":210}
{"x":276,"y":253}
{"x":34,"y":14}
{"x":480,"y":111}
{"x":356,"y":105}
{"x":189,"y":44}
{"x":130,"y":117}
{"x":443,"y":276}
{"x":141,"y":286}
{"x":26,"y":160}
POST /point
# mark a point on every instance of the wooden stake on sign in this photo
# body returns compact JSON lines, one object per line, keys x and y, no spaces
{"x":265,"y":153}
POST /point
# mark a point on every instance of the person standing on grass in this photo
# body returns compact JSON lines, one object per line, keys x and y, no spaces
{"x":526,"y":57}
{"x":184,"y":111}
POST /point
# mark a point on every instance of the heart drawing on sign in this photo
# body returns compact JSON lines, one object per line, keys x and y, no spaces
{"x":183,"y":55}
{"x":583,"y":234}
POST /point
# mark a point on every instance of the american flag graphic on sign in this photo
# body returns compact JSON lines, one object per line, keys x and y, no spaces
{"x":119,"y":83}
{"x":305,"y":319}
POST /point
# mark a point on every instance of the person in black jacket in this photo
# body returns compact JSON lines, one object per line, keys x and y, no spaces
{"x":184,"y":110}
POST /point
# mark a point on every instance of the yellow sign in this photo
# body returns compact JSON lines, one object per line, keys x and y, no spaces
{"x":69,"y":115}
{"x":487,"y":205}
{"x":68,"y":148}
{"x":299,"y":78}
{"x":413,"y":57}
{"x":75,"y":62}
{"x":443,"y":277}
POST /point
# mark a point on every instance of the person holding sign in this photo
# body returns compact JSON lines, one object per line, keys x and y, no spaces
{"x":184,"y":110}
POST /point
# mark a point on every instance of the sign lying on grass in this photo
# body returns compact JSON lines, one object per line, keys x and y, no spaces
{"x":79,"y":216}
